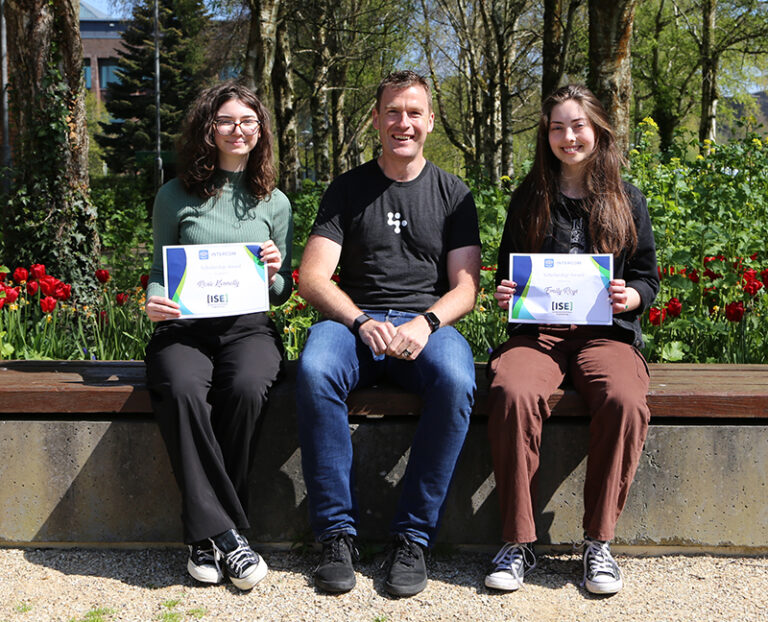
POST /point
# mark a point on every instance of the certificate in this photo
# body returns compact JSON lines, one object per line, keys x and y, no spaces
{"x":560,"y":288}
{"x":214,"y":280}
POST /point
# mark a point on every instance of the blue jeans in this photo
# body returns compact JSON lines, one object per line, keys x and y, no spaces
{"x":333,"y":363}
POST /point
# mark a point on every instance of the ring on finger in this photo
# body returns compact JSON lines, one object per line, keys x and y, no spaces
{"x":406,"y":353}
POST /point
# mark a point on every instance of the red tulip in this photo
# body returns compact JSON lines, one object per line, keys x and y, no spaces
{"x":144,"y":279}
{"x":63,"y":291}
{"x":48,"y":304}
{"x":48,"y":284}
{"x":734,"y":311}
{"x":656,"y":316}
{"x":752,"y":287}
{"x":20,"y":275}
{"x":11,"y":295}
{"x":674,"y":307}
{"x":121,"y":299}
{"x":102,"y":276}
{"x":32,"y":287}
{"x":36,"y":271}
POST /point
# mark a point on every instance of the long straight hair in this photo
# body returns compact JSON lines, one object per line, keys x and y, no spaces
{"x":198,"y":154}
{"x":611,"y":226}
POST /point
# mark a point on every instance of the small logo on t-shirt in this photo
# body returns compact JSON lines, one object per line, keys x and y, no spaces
{"x":393,"y":220}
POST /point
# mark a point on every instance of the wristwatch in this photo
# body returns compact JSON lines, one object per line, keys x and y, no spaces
{"x":432,"y":320}
{"x":359,"y":321}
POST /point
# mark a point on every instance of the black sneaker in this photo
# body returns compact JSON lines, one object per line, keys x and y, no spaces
{"x":407,"y":570}
{"x":335,"y":572}
{"x":202,"y":563}
{"x":243,"y":565}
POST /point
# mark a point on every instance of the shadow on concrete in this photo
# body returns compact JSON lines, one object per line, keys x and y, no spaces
{"x":112,"y":483}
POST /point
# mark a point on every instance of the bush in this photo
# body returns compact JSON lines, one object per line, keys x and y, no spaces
{"x":710,"y":220}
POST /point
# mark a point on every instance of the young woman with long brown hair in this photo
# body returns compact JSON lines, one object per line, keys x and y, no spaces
{"x":573,"y":201}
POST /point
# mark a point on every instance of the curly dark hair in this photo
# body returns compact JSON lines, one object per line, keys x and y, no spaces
{"x":611,"y":226}
{"x":197,"y":150}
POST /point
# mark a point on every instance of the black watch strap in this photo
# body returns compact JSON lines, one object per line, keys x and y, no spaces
{"x":359,"y":321}
{"x":432,"y":320}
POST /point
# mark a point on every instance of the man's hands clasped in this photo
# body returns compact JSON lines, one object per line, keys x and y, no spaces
{"x":404,"y":342}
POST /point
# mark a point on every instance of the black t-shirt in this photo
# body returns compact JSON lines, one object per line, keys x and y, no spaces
{"x":395,"y":236}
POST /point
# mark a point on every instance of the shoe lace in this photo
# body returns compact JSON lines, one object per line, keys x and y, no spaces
{"x":597,"y":559}
{"x":404,"y":552}
{"x":204,"y":555}
{"x":334,"y":549}
{"x":241,"y":558}
{"x":516,"y":559}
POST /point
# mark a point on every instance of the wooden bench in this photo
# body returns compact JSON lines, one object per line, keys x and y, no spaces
{"x":83,"y":462}
{"x":676,"y":390}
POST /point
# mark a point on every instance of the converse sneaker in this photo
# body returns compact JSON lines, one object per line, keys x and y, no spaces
{"x":243,"y":565}
{"x":202,"y":563}
{"x":407,"y":569}
{"x":335,"y":572}
{"x":510,"y":565}
{"x":601,"y":572}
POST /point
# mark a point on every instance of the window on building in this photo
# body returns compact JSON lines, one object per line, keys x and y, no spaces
{"x":87,"y":72}
{"x":107,"y":72}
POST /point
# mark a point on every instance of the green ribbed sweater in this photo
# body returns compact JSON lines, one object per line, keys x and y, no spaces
{"x":234,"y":215}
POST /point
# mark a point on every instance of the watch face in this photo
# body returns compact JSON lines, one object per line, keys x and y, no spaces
{"x":432,"y":319}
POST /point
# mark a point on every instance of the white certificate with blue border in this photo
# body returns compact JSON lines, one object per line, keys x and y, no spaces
{"x":561,"y":288}
{"x":215,"y":280}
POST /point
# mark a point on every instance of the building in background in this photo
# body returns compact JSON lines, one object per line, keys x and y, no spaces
{"x":101,"y":36}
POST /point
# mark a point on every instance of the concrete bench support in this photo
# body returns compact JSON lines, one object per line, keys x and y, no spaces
{"x":94,"y":473}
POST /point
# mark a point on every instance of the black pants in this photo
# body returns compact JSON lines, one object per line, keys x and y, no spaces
{"x":208,"y":381}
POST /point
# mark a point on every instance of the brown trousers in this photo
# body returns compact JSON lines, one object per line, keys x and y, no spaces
{"x":611,"y":376}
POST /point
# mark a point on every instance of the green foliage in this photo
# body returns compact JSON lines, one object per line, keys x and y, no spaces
{"x":304,"y":205}
{"x":49,"y":217}
{"x":183,"y":72}
{"x":124,"y":226}
{"x":710,"y":219}
{"x":95,"y":113}
{"x":98,"y":614}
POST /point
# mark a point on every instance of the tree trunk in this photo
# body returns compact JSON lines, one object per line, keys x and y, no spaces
{"x":552,"y":46}
{"x":610,"y":78}
{"x":318,"y":99}
{"x":556,"y":40}
{"x":285,"y":109}
{"x":49,"y":217}
{"x":709,"y":62}
{"x":260,"y":51}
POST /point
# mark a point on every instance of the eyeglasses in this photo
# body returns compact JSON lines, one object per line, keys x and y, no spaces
{"x":248,"y":126}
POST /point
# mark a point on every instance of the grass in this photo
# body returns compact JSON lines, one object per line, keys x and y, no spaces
{"x":100,"y":614}
{"x":23,"y":607}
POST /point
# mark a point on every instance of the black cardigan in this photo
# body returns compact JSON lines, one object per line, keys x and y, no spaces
{"x":639,"y":270}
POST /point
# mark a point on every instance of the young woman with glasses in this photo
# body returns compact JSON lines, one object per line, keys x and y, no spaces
{"x":209,"y":377}
{"x":572,"y":201}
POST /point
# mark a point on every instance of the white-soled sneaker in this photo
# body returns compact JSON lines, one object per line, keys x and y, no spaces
{"x":202,"y":564}
{"x":511,"y":564}
{"x":601,"y":572}
{"x":244,"y":566}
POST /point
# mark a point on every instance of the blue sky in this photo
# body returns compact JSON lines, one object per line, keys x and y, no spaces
{"x":105,"y":6}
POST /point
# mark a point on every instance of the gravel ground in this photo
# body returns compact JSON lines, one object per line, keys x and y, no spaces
{"x":73,"y":585}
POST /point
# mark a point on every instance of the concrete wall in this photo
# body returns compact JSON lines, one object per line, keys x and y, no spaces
{"x":108,"y":481}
